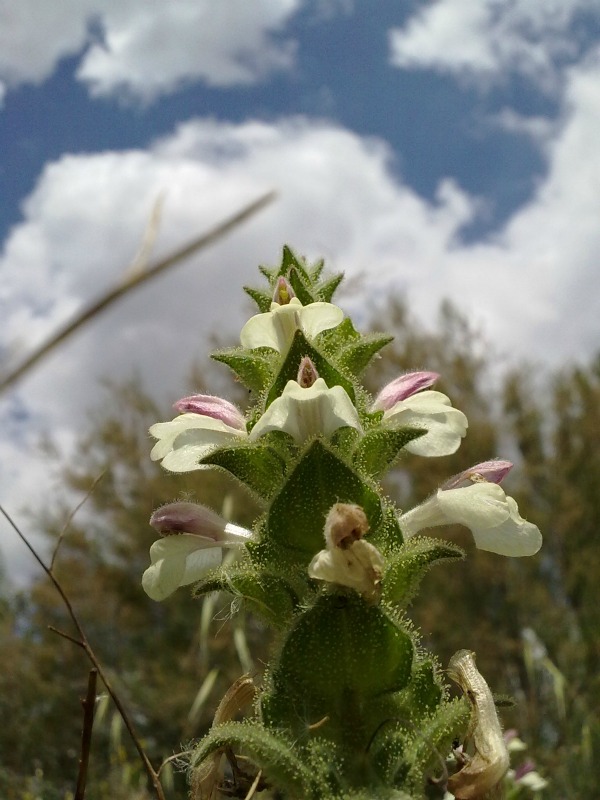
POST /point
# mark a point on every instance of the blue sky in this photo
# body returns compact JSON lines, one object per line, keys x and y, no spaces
{"x":446,"y":148}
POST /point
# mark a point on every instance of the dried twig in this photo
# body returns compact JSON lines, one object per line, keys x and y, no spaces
{"x":84,"y":643}
{"x":89,"y":706}
{"x":67,"y":524}
{"x":133,"y":281}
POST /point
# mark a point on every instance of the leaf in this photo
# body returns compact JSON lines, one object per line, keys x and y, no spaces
{"x":335,"y":339}
{"x":314,"y":273}
{"x":300,"y":287}
{"x":380,"y":448}
{"x":262,"y":299}
{"x":270,"y":273}
{"x":269,"y":596}
{"x":256,"y":466}
{"x":408,"y":567}
{"x":340,"y":653}
{"x":288,"y":371}
{"x":268,"y":752}
{"x":297,"y":514}
{"x":289,"y":261}
{"x":254,"y":369}
{"x":424,"y":692}
{"x":355,"y":357}
{"x":433,"y":737}
{"x":328,"y":287}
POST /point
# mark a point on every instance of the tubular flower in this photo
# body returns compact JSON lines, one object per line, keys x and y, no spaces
{"x":306,"y":412}
{"x":192,"y":545}
{"x":276,"y":328}
{"x":212,"y":422}
{"x":207,"y":423}
{"x":404,"y":404}
{"x":348,"y":560}
{"x":483,"y":507}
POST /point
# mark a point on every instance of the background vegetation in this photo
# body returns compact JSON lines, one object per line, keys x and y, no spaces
{"x":533,"y":622}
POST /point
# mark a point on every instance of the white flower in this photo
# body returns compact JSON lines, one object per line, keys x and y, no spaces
{"x":188,"y":438}
{"x":306,"y":412}
{"x":491,"y":515}
{"x":405,"y":404}
{"x":445,"y":425}
{"x":192,"y":545}
{"x":302,"y":412}
{"x":276,"y":328}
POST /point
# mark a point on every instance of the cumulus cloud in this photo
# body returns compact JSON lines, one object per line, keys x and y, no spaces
{"x":531,"y":286}
{"x":144,"y":49}
{"x":486,"y":39}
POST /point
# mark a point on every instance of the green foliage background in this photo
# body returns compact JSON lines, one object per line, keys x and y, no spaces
{"x":532,"y":622}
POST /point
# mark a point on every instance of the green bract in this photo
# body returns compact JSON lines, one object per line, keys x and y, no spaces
{"x":350,"y":705}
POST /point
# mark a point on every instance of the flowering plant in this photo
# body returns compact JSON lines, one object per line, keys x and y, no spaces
{"x":351,"y":705}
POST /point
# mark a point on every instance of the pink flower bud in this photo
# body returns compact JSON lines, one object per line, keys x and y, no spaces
{"x":307,"y":373}
{"x":192,"y":518}
{"x":488,"y":471}
{"x":403,"y":387}
{"x":208,"y":405}
{"x":175,"y":518}
{"x":283,"y":292}
{"x":524,"y":769}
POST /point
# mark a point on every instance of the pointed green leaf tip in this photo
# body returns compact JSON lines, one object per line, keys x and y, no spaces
{"x":409,"y":565}
{"x":254,"y":369}
{"x":327,"y":289}
{"x":319,"y":480}
{"x":262,"y":299}
{"x":259,"y":468}
{"x":379,"y":449}
{"x":357,"y":355}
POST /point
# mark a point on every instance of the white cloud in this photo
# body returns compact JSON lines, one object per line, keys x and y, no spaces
{"x":532,"y":286}
{"x":486,"y":39}
{"x":540,"y":129}
{"x":145,"y":49}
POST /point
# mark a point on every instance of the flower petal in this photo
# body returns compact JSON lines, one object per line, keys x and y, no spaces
{"x":187,"y":439}
{"x":177,"y":561}
{"x":306,"y":412}
{"x":481,"y":505}
{"x":318,"y":317}
{"x":514,"y":537}
{"x":276,"y":328}
{"x":445,"y":425}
